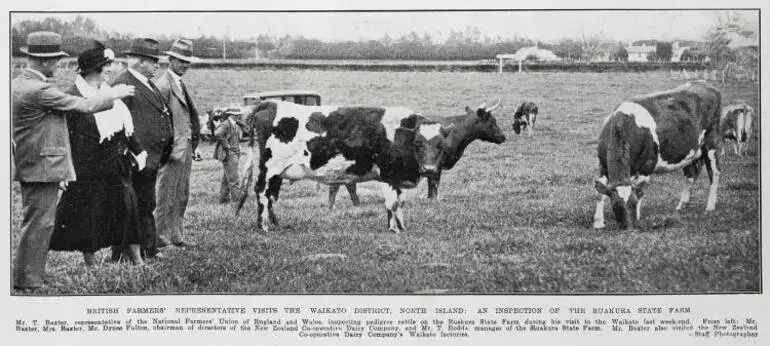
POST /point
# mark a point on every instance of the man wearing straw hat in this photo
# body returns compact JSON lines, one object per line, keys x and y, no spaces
{"x":42,"y":155}
{"x":173,"y":188}
{"x":153,"y":128}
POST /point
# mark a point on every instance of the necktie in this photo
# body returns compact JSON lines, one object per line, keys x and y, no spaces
{"x":159,"y":96}
{"x":186,"y":94}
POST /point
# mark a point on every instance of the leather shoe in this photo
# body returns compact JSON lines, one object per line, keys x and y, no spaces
{"x":158,"y":256}
{"x":162,"y":242}
{"x":184,"y":243}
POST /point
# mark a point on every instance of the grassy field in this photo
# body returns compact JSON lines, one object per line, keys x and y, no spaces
{"x":514,"y":218}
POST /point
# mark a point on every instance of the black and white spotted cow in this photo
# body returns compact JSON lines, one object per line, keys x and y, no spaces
{"x":442,"y":152}
{"x":525,"y":117}
{"x":336,"y":146}
{"x":736,"y":125}
{"x":662,"y":132}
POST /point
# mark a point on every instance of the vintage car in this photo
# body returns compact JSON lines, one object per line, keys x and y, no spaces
{"x":209,"y":119}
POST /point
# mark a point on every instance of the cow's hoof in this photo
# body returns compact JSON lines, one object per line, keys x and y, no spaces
{"x":599,"y":226}
{"x":395,"y":230}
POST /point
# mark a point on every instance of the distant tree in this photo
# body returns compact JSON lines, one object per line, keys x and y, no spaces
{"x":619,"y":53}
{"x":664,"y":51}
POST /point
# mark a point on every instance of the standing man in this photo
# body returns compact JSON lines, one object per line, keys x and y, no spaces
{"x":228,"y":150}
{"x":153,"y":128}
{"x":42,"y":148}
{"x":173,"y":189}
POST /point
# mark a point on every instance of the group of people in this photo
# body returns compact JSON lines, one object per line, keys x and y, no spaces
{"x":107,"y":162}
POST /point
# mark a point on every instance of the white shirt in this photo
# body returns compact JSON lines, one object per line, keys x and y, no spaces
{"x":177,"y":79}
{"x":142,"y":78}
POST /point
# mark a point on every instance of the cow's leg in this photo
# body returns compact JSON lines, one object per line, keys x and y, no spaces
{"x":712,"y":167}
{"x":333,"y":188}
{"x":393,"y":203}
{"x":691,"y":174}
{"x":273,"y":189}
{"x":263,"y":197}
{"x":529,"y":124}
{"x":433,"y":184}
{"x":352,"y":192}
{"x":599,"y":215}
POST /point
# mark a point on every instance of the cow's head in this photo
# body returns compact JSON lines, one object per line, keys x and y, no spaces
{"x":624,"y":199}
{"x":519,"y":124}
{"x":429,"y":148}
{"x":484,"y":125}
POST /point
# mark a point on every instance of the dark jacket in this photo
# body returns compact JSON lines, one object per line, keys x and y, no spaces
{"x":152,"y":122}
{"x":92,"y":159}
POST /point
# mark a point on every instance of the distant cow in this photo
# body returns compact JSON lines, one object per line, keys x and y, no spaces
{"x":338,"y":145}
{"x":457,"y":133}
{"x":662,"y":132}
{"x":735,"y":124}
{"x":525,"y":118}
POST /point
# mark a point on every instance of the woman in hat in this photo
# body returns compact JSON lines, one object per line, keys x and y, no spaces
{"x":99,"y":209}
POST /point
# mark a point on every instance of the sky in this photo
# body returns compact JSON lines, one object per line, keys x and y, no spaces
{"x":336,"y":26}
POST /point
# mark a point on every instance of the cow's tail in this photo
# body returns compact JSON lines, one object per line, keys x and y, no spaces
{"x":252,"y":165}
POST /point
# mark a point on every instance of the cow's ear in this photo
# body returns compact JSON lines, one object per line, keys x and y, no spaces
{"x":446,"y":130}
{"x":601,"y":187}
{"x":469,"y":111}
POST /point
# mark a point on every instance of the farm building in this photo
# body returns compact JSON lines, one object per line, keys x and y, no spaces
{"x":639,"y":53}
{"x":536,"y":52}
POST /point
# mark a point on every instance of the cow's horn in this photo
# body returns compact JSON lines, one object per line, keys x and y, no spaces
{"x":499,"y":101}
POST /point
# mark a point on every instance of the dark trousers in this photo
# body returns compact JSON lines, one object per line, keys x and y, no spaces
{"x":229,"y":186}
{"x":39,"y":203}
{"x":144,"y":184}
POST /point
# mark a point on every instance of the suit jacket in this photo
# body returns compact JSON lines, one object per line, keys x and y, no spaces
{"x":92,"y":159}
{"x":186,"y":121}
{"x":40,"y":128}
{"x":152,"y":125}
{"x":228,"y":140}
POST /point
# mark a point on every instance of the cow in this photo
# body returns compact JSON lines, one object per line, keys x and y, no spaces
{"x":656,"y":133}
{"x":336,"y":145}
{"x":525,"y":117}
{"x":735,"y":124}
{"x":456,"y":133}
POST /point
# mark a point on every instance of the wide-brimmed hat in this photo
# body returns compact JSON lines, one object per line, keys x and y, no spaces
{"x":43,"y":44}
{"x":182,"y":49}
{"x":95,"y":58}
{"x":145,"y":47}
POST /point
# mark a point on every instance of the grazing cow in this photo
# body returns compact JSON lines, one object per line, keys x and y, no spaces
{"x":735,"y":124}
{"x":525,"y":117}
{"x":457,"y":133}
{"x":662,"y":132}
{"x":336,"y":145}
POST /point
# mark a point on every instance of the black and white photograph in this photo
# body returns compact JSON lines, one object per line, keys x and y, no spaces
{"x":384,"y":152}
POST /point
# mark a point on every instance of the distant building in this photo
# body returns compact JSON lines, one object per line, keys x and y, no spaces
{"x":538,"y":53}
{"x":639,"y":53}
{"x":677,"y":51}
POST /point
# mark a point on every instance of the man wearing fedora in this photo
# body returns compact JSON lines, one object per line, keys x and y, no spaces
{"x":42,"y":153}
{"x":154,"y":130}
{"x":173,"y":188}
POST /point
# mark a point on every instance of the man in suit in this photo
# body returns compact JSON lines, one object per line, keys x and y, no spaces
{"x":153,"y":128}
{"x":173,"y":188}
{"x":42,"y":154}
{"x":228,"y":150}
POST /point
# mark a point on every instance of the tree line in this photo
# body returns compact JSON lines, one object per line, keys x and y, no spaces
{"x":470,"y":44}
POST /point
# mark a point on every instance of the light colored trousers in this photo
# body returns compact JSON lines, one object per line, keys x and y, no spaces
{"x":172,"y":192}
{"x":39,"y":203}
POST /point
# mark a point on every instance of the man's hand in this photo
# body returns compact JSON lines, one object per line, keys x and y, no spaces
{"x":63,"y":185}
{"x":120,"y":91}
{"x":141,"y":160}
{"x":197,"y":155}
